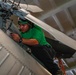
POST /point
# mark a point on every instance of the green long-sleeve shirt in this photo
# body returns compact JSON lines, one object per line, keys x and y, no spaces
{"x":35,"y":33}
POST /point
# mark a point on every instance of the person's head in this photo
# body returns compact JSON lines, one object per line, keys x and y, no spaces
{"x":25,"y":25}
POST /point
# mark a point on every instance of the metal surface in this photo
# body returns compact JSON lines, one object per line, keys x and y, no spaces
{"x":52,"y":31}
{"x":14,"y":60}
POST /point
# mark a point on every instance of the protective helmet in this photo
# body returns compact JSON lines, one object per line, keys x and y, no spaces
{"x":21,"y":21}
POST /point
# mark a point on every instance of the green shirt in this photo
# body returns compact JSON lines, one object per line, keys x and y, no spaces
{"x":35,"y":33}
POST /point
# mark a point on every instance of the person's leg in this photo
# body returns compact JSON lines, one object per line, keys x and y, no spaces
{"x":43,"y":54}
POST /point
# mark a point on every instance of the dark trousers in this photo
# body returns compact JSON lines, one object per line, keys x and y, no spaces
{"x":45,"y":54}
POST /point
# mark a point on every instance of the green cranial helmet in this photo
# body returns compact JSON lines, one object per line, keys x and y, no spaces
{"x":21,"y":21}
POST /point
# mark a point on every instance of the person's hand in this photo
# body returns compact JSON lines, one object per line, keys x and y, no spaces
{"x":15,"y":37}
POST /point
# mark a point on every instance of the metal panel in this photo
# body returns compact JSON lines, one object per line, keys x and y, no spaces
{"x":50,"y":20}
{"x":26,"y":71}
{"x":60,"y":2}
{"x":3,"y":55}
{"x":64,"y":6}
{"x":16,"y":69}
{"x":7,"y":65}
{"x":64,"y":20}
{"x":72,"y":11}
{"x":43,"y":5}
{"x":17,"y":59}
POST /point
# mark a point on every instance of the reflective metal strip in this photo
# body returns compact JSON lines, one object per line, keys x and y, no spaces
{"x":21,"y":70}
{"x":1,"y":62}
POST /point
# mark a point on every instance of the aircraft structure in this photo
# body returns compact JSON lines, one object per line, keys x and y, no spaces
{"x":24,"y":14}
{"x":14,"y":60}
{"x":13,"y":52}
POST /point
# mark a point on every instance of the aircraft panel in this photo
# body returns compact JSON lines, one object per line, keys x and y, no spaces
{"x":17,"y":60}
{"x":7,"y":65}
{"x":16,"y":69}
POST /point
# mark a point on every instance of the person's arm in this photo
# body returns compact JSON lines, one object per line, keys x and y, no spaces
{"x":17,"y":38}
{"x":29,"y":41}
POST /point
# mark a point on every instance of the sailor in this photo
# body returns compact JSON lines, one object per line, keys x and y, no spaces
{"x":33,"y":36}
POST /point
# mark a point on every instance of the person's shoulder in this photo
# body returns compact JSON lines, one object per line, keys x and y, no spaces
{"x":37,"y":27}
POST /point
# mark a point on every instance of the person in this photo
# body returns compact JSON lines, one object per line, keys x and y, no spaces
{"x":33,"y":36}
